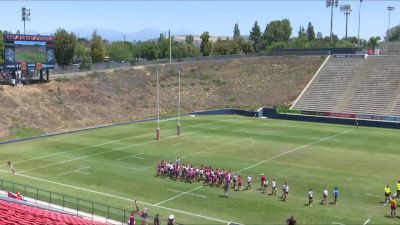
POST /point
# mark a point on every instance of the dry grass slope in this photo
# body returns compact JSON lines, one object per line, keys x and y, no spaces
{"x":102,"y":98}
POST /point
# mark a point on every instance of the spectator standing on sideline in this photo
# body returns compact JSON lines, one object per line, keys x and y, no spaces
{"x":157,"y":219}
{"x":171,"y":220}
{"x":11,"y":167}
{"x":291,"y":221}
{"x":132,"y":217}
{"x":145,"y":217}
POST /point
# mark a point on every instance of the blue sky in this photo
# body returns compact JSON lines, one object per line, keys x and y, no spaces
{"x":217,"y":17}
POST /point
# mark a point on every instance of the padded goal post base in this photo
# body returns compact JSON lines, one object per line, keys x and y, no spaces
{"x":178,"y":129}
{"x":158,"y":134}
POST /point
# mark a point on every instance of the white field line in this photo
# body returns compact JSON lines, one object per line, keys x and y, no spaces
{"x":132,"y":156}
{"x":293,"y":150}
{"x":115,"y":165}
{"x":337,"y":223}
{"x":366,"y":222}
{"x":175,"y":144}
{"x":374,"y":195}
{"x":104,"y":143}
{"x":201,"y":196}
{"x":73,"y":171}
{"x":176,"y":196}
{"x":118,"y":149}
{"x":119,"y":197}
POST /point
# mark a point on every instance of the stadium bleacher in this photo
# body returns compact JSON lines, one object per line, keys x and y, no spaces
{"x":12,"y":213}
{"x":368,"y":86}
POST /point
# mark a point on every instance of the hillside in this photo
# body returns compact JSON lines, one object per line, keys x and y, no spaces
{"x":125,"y":95}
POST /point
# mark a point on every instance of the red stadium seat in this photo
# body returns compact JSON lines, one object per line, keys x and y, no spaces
{"x":19,"y":214}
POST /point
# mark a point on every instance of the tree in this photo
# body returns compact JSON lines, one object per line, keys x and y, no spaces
{"x":247,"y":47}
{"x":189,"y":39}
{"x":302,"y":32}
{"x":97,"y":49}
{"x":319,"y":35}
{"x":255,"y":36}
{"x":310,"y":32}
{"x":394,"y":33}
{"x":64,"y":46}
{"x":374,"y":42}
{"x":205,"y":46}
{"x":277,"y":31}
{"x":121,"y":51}
{"x":236,"y":32}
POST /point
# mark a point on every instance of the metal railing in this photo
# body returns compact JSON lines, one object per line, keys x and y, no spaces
{"x":70,"y":202}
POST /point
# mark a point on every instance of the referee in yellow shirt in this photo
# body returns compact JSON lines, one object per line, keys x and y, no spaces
{"x":398,"y":189}
{"x":387,"y":194}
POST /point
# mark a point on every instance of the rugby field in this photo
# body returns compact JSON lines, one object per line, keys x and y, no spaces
{"x":113,"y":165}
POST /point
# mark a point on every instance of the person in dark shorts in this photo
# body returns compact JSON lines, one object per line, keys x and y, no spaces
{"x":310,"y":196}
{"x":171,"y":220}
{"x":11,"y":167}
{"x":291,"y":221}
{"x":157,"y":219}
{"x":393,"y":206}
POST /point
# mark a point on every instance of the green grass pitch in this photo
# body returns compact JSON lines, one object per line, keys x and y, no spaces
{"x":117,"y":164}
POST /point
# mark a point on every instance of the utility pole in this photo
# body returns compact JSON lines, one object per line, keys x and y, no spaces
{"x":26,"y":15}
{"x":390,"y":9}
{"x":359,"y":24}
{"x":346,"y":9}
{"x":332,"y":3}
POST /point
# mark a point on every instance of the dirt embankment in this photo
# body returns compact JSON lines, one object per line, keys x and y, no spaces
{"x":125,"y":95}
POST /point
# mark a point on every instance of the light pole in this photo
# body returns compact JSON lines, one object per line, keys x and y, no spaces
{"x":359,"y":24}
{"x":26,"y":15}
{"x":390,"y":9}
{"x":332,"y":3}
{"x":346,"y":9}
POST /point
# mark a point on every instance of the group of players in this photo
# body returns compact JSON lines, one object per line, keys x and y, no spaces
{"x":215,"y":177}
{"x":228,"y":179}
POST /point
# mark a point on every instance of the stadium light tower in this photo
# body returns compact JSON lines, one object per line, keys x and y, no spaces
{"x":390,"y":9}
{"x":346,"y":9}
{"x":359,"y":24}
{"x":332,"y":3}
{"x":26,"y":15}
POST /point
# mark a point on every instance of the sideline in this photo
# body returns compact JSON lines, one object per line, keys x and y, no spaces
{"x":119,"y":197}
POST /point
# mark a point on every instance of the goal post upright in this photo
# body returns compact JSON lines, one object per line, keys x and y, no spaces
{"x":158,"y":110}
{"x":178,"y":126}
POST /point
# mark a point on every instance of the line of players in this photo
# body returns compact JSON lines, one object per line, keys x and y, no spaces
{"x":228,"y":179}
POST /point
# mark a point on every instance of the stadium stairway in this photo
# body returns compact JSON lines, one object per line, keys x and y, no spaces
{"x":355,"y":85}
{"x":12,"y":213}
{"x":329,"y":86}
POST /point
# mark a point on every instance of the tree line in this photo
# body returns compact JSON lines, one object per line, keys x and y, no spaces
{"x":277,"y":35}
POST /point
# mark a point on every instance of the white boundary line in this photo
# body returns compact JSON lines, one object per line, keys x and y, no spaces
{"x":124,"y":147}
{"x":337,"y":223}
{"x":176,"y":196}
{"x":132,"y":156}
{"x":201,"y":196}
{"x":104,"y":143}
{"x":366,"y":222}
{"x":77,"y":170}
{"x":119,"y":197}
{"x":175,"y":144}
{"x":295,"y":149}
